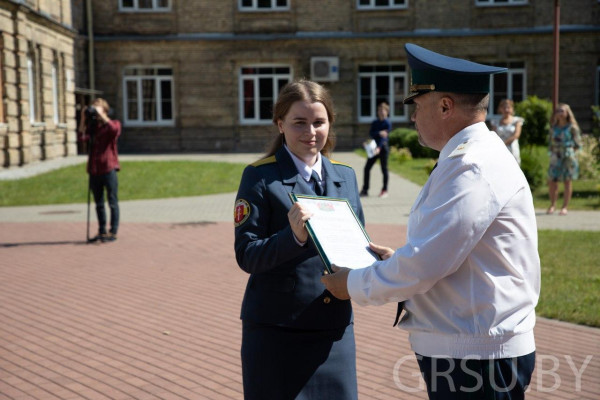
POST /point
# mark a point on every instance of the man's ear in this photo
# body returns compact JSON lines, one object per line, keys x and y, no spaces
{"x":447,"y":106}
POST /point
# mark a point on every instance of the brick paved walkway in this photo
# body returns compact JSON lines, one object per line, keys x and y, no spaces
{"x":155,"y":316}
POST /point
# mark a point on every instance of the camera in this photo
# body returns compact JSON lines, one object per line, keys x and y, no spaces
{"x":91,"y":112}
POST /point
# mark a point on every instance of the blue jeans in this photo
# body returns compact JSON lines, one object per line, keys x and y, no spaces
{"x":97,"y":185}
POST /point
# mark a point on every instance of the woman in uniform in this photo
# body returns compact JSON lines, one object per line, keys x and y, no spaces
{"x":297,"y":339}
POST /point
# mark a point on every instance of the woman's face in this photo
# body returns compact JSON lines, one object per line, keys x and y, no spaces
{"x":561,"y":114}
{"x":306,"y":127}
{"x":506,"y":109}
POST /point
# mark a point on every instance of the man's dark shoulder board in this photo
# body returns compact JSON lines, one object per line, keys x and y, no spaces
{"x":264,"y":161}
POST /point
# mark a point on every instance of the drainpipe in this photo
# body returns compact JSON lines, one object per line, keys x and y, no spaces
{"x":90,"y":33}
{"x":556,"y":53}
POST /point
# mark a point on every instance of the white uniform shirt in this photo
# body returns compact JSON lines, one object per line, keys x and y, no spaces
{"x":470,"y":270}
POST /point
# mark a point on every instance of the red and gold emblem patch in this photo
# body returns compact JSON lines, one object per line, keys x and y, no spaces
{"x":241,"y":212}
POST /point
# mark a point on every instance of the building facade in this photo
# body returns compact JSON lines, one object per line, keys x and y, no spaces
{"x":37,"y":81}
{"x":189,"y":76}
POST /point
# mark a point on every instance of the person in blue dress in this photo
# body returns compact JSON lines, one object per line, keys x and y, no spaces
{"x":563,"y":143}
{"x":379,"y":131}
{"x":297,"y":339}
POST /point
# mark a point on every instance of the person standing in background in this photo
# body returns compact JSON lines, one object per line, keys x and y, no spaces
{"x":508,"y":127}
{"x":563,"y":142}
{"x":102,"y":134}
{"x":380,"y":131}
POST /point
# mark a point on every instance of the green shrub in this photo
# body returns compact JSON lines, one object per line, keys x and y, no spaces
{"x":537,"y":113}
{"x":409,"y":138}
{"x":533,"y":169}
{"x":596,"y":131}
{"x":588,"y":163}
{"x":400,"y":155}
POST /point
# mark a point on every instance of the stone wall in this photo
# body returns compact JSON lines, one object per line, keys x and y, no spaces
{"x":206,"y":44}
{"x":44,"y":28}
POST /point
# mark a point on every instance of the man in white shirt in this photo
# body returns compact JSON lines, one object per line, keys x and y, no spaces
{"x":469,"y":274}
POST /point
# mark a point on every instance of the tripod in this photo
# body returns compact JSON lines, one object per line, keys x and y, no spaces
{"x":91,"y":129}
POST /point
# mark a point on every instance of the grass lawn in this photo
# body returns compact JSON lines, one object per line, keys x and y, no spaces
{"x":137,"y":180}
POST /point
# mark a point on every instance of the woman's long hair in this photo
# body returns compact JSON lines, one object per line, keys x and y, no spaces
{"x":570,"y":116}
{"x":302,"y":90}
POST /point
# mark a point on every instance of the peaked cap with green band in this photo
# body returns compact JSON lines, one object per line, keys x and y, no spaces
{"x":431,"y":71}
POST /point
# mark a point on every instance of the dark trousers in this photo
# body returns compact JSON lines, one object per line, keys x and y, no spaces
{"x":383,"y":160}
{"x":291,"y":364}
{"x":97,"y":185}
{"x":456,"y":379}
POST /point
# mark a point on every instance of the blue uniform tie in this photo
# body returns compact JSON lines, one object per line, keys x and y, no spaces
{"x":319,"y":190}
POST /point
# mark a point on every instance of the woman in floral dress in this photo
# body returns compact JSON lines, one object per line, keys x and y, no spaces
{"x":564,"y":141}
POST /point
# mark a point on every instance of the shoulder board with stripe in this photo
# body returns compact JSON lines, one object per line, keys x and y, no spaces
{"x":339,"y":163}
{"x":268,"y":160}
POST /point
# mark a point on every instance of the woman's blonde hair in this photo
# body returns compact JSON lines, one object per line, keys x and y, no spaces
{"x":302,"y":90}
{"x":570,"y":116}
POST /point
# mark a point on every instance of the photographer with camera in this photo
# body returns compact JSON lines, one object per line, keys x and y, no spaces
{"x":101,"y":134}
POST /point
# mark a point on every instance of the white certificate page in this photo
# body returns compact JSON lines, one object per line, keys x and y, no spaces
{"x":337,"y":232}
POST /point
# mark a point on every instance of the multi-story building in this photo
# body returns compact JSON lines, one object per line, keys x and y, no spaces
{"x":37,"y":81}
{"x":202,"y":75}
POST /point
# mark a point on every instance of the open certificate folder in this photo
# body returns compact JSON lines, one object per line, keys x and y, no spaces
{"x":337,"y":233}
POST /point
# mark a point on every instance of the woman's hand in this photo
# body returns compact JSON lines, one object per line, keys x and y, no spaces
{"x":298,"y":216}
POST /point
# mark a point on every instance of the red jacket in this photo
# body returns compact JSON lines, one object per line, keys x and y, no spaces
{"x":103,"y":153}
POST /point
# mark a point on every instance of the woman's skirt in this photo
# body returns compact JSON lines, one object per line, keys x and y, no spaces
{"x":283,"y":363}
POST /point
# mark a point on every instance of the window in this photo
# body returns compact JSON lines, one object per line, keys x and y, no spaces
{"x":144,"y":5}
{"x":55,"y":91}
{"x":148,"y":96}
{"x":264,"y":5}
{"x":34,"y":84}
{"x":379,"y":4}
{"x":259,"y":87}
{"x":499,"y":2}
{"x":59,"y":87}
{"x":511,"y":85}
{"x":377,"y":83}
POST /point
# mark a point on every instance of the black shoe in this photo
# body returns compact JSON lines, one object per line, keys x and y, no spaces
{"x":111,"y":237}
{"x":364,"y":193}
{"x":99,"y":237}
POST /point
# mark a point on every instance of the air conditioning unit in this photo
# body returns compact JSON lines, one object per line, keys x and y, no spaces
{"x":325,"y":69}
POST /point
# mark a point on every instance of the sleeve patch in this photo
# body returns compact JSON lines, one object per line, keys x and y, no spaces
{"x":241,"y":212}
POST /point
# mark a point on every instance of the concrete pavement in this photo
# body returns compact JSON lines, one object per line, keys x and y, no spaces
{"x":155,"y":315}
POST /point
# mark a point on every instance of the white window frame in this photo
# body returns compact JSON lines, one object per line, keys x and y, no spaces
{"x":139,"y":121}
{"x":135,"y":8}
{"x":496,"y":3}
{"x":31,"y":85}
{"x":254,"y":7}
{"x":55,"y":88}
{"x":391,"y":75}
{"x":372,"y":5}
{"x":255,"y":79}
{"x":511,"y":73}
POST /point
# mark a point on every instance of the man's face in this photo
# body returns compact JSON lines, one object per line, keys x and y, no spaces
{"x":426,"y":119}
